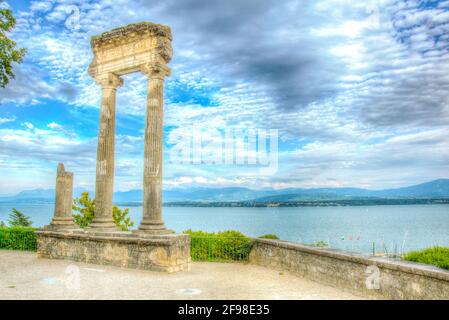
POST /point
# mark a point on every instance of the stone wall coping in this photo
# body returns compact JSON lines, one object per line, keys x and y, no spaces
{"x":403,"y":266}
{"x":116,"y":236}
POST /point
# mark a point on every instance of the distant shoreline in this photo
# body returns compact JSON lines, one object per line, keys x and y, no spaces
{"x":269,"y":204}
{"x":304,"y":203}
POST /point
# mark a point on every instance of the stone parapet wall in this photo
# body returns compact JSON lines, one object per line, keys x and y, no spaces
{"x":168,"y":253}
{"x":364,"y":275}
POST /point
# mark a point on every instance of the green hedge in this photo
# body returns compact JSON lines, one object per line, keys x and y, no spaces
{"x":18,"y":238}
{"x":205,"y":246}
{"x":437,"y":256}
{"x":221,"y":246}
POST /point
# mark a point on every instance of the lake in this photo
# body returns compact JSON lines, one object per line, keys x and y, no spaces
{"x":390,"y":228}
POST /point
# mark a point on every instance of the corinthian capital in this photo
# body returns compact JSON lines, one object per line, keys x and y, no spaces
{"x":155,"y":70}
{"x":109,"y":81}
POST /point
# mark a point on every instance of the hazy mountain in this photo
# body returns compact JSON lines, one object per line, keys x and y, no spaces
{"x":195,"y":194}
{"x":434,"y":189}
{"x":37,"y":195}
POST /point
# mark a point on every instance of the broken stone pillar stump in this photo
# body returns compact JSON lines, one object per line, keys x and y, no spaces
{"x":63,"y":200}
{"x":167,"y":253}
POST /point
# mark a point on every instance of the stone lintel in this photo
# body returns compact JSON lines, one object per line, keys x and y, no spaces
{"x":124,"y":50}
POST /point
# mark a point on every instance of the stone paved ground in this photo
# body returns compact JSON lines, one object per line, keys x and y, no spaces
{"x":23,"y":276}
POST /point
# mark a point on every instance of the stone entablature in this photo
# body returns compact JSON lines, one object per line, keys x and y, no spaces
{"x":131,"y":48}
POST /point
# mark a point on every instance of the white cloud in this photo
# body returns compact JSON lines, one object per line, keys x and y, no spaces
{"x":28,"y":125}
{"x":53,"y":125}
{"x":350,"y":85}
{"x":6,"y":120}
{"x":41,"y":6}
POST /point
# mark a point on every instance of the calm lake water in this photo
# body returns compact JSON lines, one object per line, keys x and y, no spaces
{"x":391,"y":228}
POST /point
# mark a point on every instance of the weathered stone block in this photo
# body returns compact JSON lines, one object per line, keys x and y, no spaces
{"x":168,"y":253}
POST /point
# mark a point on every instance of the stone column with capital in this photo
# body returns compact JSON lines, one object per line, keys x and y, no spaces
{"x":152,"y":222}
{"x":63,"y":200}
{"x":105,"y":154}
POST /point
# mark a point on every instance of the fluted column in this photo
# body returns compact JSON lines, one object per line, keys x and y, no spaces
{"x":105,"y":153}
{"x":63,"y":200}
{"x":152,"y":182}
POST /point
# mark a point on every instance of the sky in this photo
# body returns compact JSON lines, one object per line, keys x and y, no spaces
{"x":355,"y":93}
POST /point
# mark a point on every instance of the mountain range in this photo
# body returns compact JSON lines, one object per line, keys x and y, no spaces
{"x":430,"y":190}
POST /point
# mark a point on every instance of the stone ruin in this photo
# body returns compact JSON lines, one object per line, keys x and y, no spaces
{"x":146,"y":48}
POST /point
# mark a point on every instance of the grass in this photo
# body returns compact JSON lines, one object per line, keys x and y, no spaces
{"x":436,"y":256}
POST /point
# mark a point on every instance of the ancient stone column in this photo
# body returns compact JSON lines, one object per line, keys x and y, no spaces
{"x":105,"y":153}
{"x":63,"y":201}
{"x":152,"y":182}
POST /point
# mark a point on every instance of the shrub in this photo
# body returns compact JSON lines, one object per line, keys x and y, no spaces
{"x":18,"y":238}
{"x":269,"y":236}
{"x":86,"y":208}
{"x":437,"y":256}
{"x":320,"y":244}
{"x":227,"y":245}
{"x":18,"y":219}
{"x":121,"y":218}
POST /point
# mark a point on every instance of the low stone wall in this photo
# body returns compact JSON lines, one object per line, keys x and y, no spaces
{"x":368,"y":276}
{"x":169,"y":253}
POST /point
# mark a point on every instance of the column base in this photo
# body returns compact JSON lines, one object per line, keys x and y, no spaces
{"x":143,"y":232}
{"x":152,"y":228}
{"x":103,"y":225}
{"x":62,"y":224}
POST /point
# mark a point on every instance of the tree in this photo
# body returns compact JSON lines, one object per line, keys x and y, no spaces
{"x":86,"y":208}
{"x":121,"y":218}
{"x":18,"y":219}
{"x":8,"y":51}
{"x":2,"y":224}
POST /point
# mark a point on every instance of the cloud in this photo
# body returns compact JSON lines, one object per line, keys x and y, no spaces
{"x":30,"y":85}
{"x":41,"y":6}
{"x":357,"y":89}
{"x":6,"y":120}
{"x":28,"y":125}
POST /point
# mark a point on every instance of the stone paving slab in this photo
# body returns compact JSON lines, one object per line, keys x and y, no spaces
{"x":24,"y":276}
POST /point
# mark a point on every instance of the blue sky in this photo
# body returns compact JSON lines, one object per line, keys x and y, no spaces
{"x":358,"y":91}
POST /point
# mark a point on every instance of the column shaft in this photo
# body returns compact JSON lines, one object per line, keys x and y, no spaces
{"x":105,"y":155}
{"x":152,"y":183}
